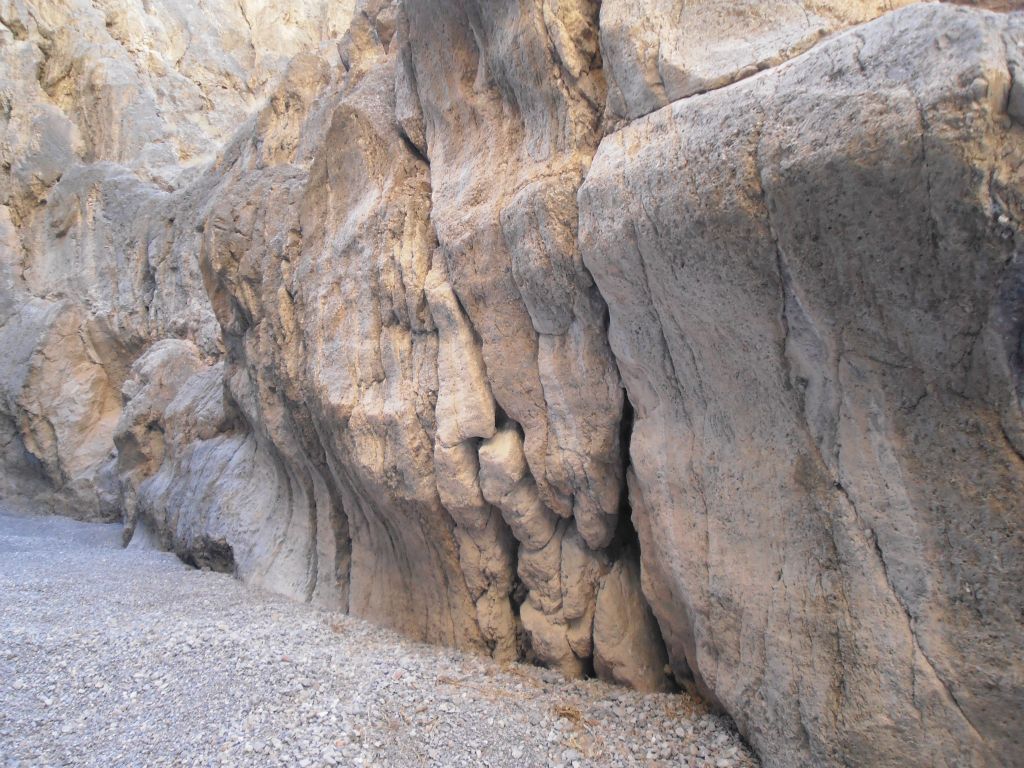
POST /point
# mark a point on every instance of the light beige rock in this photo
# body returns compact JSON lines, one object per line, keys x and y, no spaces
{"x":505,"y":482}
{"x":498,"y":96}
{"x":151,"y":86}
{"x":628,"y":648}
{"x":659,"y":51}
{"x":106,"y":110}
{"x":362,"y":367}
{"x":338,"y":320}
{"x":548,"y":641}
{"x":328,"y":324}
{"x":815,"y":295}
{"x":64,"y":402}
{"x":465,"y":408}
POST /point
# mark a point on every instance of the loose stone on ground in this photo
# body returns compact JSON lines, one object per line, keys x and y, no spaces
{"x":128,"y":657}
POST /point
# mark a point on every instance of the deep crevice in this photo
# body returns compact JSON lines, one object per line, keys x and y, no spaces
{"x":625,"y":544}
{"x":209,"y":555}
{"x":413,"y":148}
{"x":626,"y":535}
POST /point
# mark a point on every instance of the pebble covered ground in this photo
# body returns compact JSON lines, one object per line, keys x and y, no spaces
{"x":114,"y":657}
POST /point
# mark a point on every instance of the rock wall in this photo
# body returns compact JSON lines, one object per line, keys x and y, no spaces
{"x":109,"y":114}
{"x":680,"y":344}
{"x":856,"y":535}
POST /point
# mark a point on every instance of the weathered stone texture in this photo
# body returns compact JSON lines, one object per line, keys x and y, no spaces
{"x":420,"y":315}
{"x":815,"y":292}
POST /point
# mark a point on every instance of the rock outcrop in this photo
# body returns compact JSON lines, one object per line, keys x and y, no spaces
{"x":680,"y":344}
{"x":109,"y":111}
{"x":828,"y":473}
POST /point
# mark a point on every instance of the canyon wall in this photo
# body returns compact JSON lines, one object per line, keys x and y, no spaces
{"x":677,"y":343}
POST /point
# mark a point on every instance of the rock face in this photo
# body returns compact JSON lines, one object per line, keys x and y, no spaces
{"x":108,"y":111}
{"x":659,"y":52}
{"x":627,"y":642}
{"x":828,"y":474}
{"x":621,"y":336}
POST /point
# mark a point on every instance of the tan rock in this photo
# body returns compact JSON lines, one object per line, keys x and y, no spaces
{"x":810,"y":276}
{"x":505,"y":482}
{"x":510,"y":124}
{"x":659,"y":51}
{"x":350,"y":327}
{"x":628,"y":648}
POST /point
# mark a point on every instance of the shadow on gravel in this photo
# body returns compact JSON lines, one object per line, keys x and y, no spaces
{"x":21,"y":530}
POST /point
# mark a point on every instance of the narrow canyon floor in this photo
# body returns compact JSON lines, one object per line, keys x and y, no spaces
{"x":127,"y":657}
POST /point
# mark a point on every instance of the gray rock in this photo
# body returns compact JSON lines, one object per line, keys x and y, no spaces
{"x":1015,"y":100}
{"x":815,"y":310}
{"x":659,"y":51}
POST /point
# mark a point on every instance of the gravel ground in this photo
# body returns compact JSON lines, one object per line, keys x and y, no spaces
{"x":112,"y":657}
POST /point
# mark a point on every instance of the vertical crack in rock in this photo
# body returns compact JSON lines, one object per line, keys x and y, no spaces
{"x":628,"y":645}
{"x":911,"y":630}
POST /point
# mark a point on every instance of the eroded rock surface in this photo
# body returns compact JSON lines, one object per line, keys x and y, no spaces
{"x":662,"y":51}
{"x":418,"y":316}
{"x":814,"y":283}
{"x":107,"y":113}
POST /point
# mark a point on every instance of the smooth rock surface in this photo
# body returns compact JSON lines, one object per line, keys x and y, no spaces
{"x":814,"y":281}
{"x":661,"y":51}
